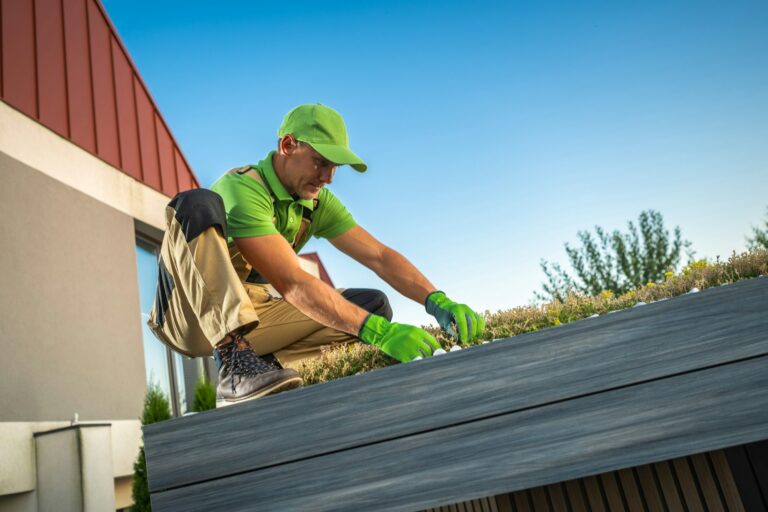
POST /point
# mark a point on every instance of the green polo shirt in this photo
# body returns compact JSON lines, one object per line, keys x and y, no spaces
{"x":251,"y":212}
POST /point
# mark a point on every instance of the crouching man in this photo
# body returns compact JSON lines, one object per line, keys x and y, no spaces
{"x":245,"y":235}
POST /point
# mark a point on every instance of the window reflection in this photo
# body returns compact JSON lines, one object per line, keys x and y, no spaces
{"x":155,"y":353}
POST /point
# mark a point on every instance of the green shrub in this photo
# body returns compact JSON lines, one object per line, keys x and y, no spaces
{"x":156,"y":408}
{"x":205,"y":396}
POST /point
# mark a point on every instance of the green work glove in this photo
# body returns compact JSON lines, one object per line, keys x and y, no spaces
{"x":402,"y":341}
{"x":452,"y":317}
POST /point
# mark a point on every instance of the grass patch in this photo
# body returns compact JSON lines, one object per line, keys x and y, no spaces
{"x":342,"y":361}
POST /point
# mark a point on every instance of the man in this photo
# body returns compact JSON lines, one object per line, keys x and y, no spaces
{"x":272,"y":208}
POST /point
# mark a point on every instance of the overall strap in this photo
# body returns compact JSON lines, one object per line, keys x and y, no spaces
{"x":243,"y":268}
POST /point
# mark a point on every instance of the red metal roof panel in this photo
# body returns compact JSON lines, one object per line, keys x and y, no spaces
{"x":78,"y":62}
{"x":52,"y":75}
{"x":107,"y":140}
{"x":19,"y":76}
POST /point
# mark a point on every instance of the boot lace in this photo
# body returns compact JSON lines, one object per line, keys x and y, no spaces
{"x":242,"y":360}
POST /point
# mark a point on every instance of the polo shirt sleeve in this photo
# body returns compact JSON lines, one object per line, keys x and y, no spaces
{"x":331,"y":218}
{"x":248,"y":205}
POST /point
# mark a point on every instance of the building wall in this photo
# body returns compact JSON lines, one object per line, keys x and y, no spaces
{"x":69,"y":301}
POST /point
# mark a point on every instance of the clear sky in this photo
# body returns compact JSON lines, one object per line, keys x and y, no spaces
{"x":493,"y":131}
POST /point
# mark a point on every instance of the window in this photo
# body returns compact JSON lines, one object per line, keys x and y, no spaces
{"x":174,"y":373}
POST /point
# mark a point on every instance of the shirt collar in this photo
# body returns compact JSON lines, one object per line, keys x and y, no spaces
{"x":277,"y":186}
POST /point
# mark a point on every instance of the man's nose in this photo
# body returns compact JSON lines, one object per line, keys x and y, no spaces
{"x":326,"y":175}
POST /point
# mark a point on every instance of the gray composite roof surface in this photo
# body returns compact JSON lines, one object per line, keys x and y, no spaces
{"x":672,"y":378}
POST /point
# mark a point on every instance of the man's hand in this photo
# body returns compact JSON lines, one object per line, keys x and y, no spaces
{"x":454,"y":317}
{"x":402,"y":341}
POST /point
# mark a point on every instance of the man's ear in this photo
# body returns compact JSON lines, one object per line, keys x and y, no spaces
{"x":287,"y":145}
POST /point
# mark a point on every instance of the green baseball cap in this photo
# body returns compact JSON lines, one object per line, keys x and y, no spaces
{"x":322,"y":128}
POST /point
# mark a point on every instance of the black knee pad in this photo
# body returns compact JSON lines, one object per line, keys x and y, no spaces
{"x":373,"y":301}
{"x":197,"y":210}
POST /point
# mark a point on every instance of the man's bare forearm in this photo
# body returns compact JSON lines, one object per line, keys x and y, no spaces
{"x":403,"y":276}
{"x":323,"y":304}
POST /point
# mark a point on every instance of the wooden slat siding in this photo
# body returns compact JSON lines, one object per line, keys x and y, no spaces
{"x":725,"y":478}
{"x":575,"y":497}
{"x":711,"y":477}
{"x":678,"y":335}
{"x":52,"y":88}
{"x":18,"y":49}
{"x":521,"y":501}
{"x":746,"y":481}
{"x":594,"y":496}
{"x":707,"y":483}
{"x":650,"y":488}
{"x":687,"y":484}
{"x":683,"y":414}
{"x":78,"y":63}
{"x":539,"y":499}
{"x":105,"y":113}
{"x":504,"y":502}
{"x":610,"y":484}
{"x":671,"y":491}
{"x":631,"y":492}
{"x":558,"y":497}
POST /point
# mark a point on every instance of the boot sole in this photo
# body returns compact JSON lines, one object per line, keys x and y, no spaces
{"x":277,"y":387}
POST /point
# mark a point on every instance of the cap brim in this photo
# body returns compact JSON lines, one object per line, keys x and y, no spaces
{"x":339,"y":155}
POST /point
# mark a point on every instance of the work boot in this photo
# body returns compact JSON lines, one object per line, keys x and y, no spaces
{"x":243,"y":375}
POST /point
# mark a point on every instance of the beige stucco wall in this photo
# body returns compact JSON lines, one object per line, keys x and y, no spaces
{"x":69,"y":303}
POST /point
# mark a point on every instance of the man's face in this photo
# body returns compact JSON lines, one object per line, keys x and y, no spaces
{"x":307,"y":171}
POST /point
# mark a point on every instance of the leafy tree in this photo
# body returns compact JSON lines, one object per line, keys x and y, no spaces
{"x":205,"y":396}
{"x":156,"y":408}
{"x":760,"y":238}
{"x":616,"y":261}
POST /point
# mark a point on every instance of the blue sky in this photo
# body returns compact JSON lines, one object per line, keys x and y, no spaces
{"x":494,"y":131}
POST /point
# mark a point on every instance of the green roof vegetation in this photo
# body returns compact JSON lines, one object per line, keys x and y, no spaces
{"x":343,"y":361}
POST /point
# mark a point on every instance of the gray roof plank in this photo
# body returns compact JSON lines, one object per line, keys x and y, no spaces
{"x":682,"y":334}
{"x":679,"y":415}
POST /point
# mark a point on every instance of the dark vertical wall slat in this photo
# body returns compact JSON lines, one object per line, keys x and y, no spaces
{"x":758,"y":457}
{"x":687,"y":485}
{"x":745,"y":479}
{"x":612,"y":493}
{"x":672,"y":496}
{"x":78,"y":64}
{"x":147,"y":139}
{"x":575,"y":497}
{"x":648,"y":488}
{"x":631,"y":492}
{"x":706,"y":483}
{"x":520,"y":501}
{"x":504,"y":502}
{"x":167,"y":159}
{"x":725,"y":477}
{"x":52,"y":88}
{"x":539,"y":498}
{"x":103,"y":87}
{"x":594,"y":496}
{"x":126,"y":112}
{"x":18,"y":48}
{"x":556,"y":495}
